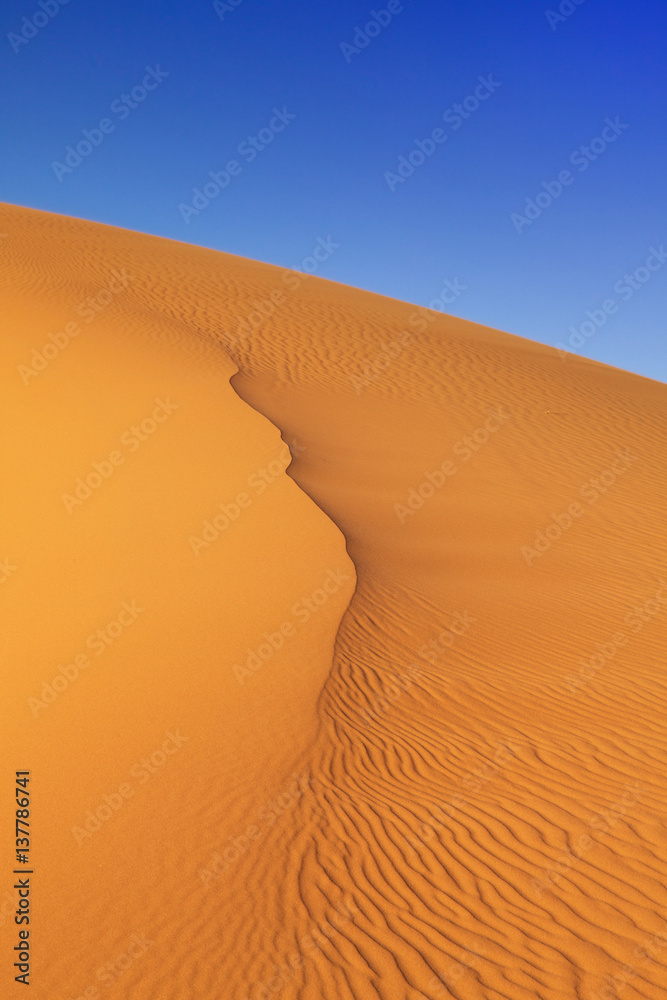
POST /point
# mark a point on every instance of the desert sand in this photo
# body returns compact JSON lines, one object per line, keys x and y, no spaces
{"x":334,"y":639}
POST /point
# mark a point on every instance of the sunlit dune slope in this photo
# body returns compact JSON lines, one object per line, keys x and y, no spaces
{"x":391,"y":724}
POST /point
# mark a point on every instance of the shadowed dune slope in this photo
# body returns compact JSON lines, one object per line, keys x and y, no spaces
{"x":419,"y":677}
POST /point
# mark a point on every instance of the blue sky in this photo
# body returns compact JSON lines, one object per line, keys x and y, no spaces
{"x":318,"y":116}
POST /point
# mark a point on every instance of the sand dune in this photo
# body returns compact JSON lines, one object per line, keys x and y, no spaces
{"x":336,"y":639}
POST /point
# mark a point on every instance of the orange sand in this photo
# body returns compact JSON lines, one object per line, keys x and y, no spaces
{"x":442,"y":772}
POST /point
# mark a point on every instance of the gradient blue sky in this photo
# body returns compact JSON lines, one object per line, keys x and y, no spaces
{"x":324,"y":175}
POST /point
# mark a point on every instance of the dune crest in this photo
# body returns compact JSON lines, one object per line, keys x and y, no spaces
{"x":414,"y":685}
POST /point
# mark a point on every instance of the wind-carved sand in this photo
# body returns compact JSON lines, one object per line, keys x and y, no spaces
{"x":387,"y":722}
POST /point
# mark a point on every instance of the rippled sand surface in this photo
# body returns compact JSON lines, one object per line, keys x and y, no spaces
{"x":334,"y":639}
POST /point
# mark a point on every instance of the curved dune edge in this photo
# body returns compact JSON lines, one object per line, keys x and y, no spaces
{"x":479,"y":813}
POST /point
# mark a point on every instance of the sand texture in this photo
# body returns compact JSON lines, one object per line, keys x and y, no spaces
{"x":334,"y":639}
